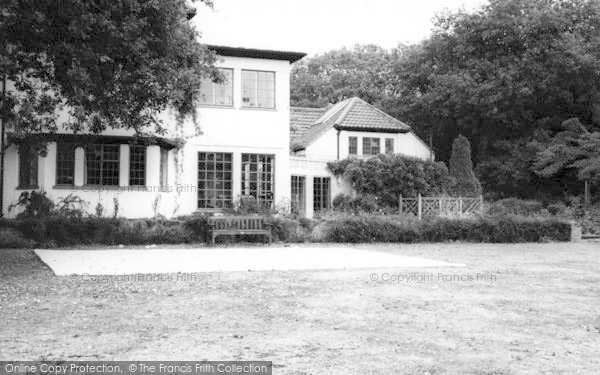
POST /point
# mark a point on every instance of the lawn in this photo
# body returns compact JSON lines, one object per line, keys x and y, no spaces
{"x":535,"y":309}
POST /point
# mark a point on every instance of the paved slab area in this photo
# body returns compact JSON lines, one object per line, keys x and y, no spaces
{"x":131,"y":261}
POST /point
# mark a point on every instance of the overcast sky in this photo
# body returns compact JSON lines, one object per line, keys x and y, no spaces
{"x":315,"y":26}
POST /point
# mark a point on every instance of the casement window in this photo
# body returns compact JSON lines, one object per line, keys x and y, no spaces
{"x":28,"y":167}
{"x":258,"y":89}
{"x":371,"y":146}
{"x":218,"y":93}
{"x":214,"y":180}
{"x":102,"y":164}
{"x":258,"y":178}
{"x":137,"y":165}
{"x":163,"y":175}
{"x":298,"y":194}
{"x":321,"y":193}
{"x":65,"y":163}
{"x":353,"y":146}
{"x":389,"y":146}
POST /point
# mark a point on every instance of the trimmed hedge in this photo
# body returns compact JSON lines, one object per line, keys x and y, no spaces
{"x":361,"y":229}
{"x":61,"y":231}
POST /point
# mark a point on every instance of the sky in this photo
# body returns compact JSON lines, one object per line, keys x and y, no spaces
{"x":317,"y":26}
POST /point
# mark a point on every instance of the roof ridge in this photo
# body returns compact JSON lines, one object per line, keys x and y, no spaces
{"x":329,"y":114}
{"x":345,"y":111}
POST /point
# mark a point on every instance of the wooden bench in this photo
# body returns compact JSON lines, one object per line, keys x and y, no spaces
{"x":232,"y":225}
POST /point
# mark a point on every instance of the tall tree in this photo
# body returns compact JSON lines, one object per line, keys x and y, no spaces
{"x":461,"y":168}
{"x":341,"y":74}
{"x":107,"y":63}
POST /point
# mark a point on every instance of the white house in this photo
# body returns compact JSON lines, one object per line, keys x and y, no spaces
{"x":351,"y":128}
{"x":243,"y":150}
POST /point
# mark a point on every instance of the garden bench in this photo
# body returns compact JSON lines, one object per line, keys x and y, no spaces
{"x":232,"y":225}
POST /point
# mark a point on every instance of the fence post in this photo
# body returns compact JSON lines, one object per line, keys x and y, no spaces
{"x":460,"y":205}
{"x":400,"y":203}
{"x":440,"y":207}
{"x":420,"y":206}
{"x":481,"y":204}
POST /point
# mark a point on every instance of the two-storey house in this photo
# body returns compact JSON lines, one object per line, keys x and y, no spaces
{"x":242,"y":149}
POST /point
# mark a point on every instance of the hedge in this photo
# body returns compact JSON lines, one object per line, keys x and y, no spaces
{"x":361,"y":229}
{"x":61,"y":231}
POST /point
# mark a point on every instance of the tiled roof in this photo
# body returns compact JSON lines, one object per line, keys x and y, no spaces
{"x":308,"y":124}
{"x":301,"y":119}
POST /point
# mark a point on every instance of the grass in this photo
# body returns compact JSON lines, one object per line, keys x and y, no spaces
{"x":540,"y":315}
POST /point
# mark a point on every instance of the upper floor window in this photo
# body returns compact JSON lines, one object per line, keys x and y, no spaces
{"x":137,"y":165}
{"x":218,"y":93}
{"x":258,"y":89}
{"x":28,"y":167}
{"x":353,"y":145}
{"x":102,"y":164}
{"x":371,"y":146}
{"x":65,"y":163}
{"x":389,"y":146}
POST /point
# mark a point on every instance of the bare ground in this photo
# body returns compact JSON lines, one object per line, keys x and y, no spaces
{"x":535,"y":309}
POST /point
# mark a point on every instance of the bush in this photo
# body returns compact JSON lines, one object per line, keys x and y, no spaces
{"x":359,"y":203}
{"x":12,"y":238}
{"x":67,"y":231}
{"x":557,"y":208}
{"x":389,"y":176}
{"x":515,"y":206}
{"x":360,"y":229}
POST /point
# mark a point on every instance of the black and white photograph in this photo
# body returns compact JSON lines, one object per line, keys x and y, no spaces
{"x":299,"y":187}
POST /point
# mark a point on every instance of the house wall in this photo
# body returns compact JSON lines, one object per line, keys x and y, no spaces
{"x":134,"y":202}
{"x":313,"y":163}
{"x":311,"y":168}
{"x":233,"y":129}
{"x":325,"y":147}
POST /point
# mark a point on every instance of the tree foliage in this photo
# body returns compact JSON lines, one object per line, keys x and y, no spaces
{"x":340,"y":74}
{"x":572,"y":149}
{"x":505,"y":76}
{"x":461,"y":168}
{"x":115,"y":63}
{"x":389,"y":176}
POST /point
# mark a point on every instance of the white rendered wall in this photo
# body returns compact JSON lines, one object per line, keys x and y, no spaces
{"x":234,"y":130}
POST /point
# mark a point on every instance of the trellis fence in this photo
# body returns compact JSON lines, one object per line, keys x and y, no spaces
{"x":423,"y":207}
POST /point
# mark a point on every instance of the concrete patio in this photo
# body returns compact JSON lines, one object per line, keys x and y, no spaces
{"x":130,"y":261}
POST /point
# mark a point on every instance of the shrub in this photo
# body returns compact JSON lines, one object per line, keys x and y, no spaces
{"x":557,"y":208}
{"x":33,"y":204}
{"x":389,"y":176}
{"x":359,"y":203}
{"x":515,"y":206}
{"x":357,"y":229}
{"x":461,"y":169}
{"x":12,"y":238}
{"x":65,"y":231}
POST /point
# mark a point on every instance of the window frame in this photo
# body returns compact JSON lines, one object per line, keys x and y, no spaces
{"x":260,"y":175}
{"x":132,"y":178}
{"x":389,"y":150}
{"x":322,"y":198}
{"x":101,"y":177}
{"x":246,"y":106}
{"x":31,"y":167}
{"x":298,"y":188}
{"x":370,"y":146}
{"x":202,"y":177}
{"x":353,"y":144}
{"x":214,"y":84}
{"x":60,"y":163}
